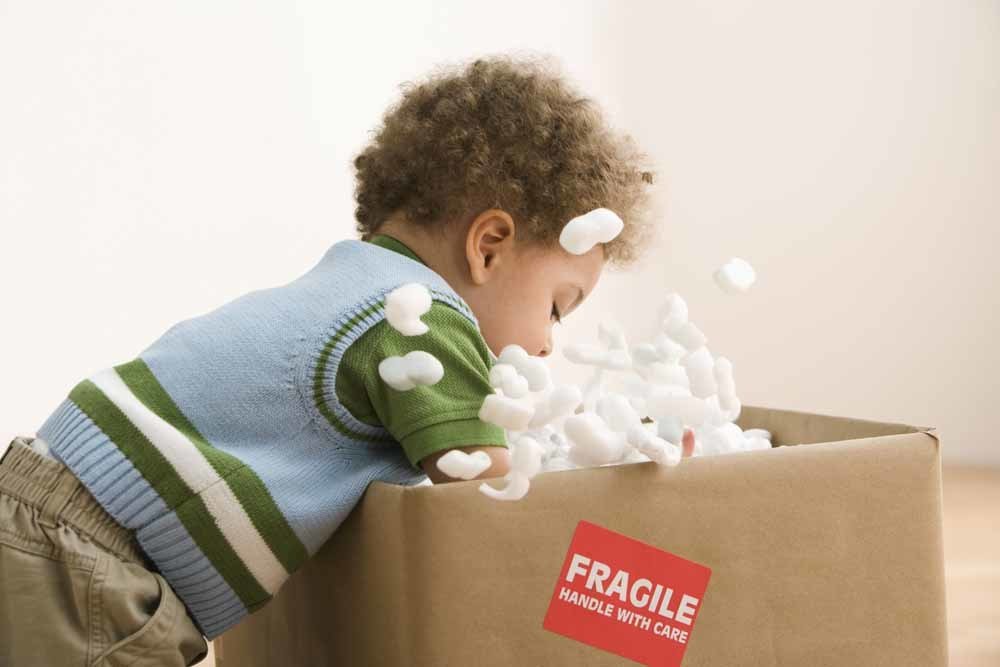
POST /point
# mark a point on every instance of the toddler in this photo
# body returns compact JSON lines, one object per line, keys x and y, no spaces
{"x":167,"y":497}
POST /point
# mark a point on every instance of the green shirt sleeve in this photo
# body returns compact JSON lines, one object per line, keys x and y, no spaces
{"x":424,"y":419}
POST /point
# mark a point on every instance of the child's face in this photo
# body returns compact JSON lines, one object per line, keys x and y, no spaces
{"x":533,"y":289}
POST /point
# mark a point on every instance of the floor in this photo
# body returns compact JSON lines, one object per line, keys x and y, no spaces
{"x":972,"y":566}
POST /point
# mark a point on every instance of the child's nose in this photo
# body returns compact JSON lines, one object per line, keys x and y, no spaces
{"x":547,"y":349}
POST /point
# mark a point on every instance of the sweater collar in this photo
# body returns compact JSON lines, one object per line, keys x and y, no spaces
{"x":396,"y":245}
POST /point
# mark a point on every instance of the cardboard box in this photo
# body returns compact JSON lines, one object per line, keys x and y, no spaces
{"x":828,"y":552}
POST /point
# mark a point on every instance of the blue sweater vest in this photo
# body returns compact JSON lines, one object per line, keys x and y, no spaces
{"x":223,"y":445}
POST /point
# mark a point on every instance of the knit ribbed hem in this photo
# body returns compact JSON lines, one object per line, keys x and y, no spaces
{"x":127,"y":496}
{"x":75,"y":440}
{"x":213,"y":604}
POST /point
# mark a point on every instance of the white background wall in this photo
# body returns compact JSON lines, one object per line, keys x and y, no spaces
{"x":160,"y":159}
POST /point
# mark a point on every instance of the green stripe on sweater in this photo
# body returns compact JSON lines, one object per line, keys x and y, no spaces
{"x":248,"y":488}
{"x":132,"y":442}
{"x":172,"y":489}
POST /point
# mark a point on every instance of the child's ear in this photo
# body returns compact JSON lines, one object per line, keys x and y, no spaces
{"x":489,"y":241}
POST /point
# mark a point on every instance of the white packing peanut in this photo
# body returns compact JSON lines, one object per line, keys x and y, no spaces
{"x":404,"y":306}
{"x":617,"y":413}
{"x":583,"y":232}
{"x":657,"y":449}
{"x":670,"y":429}
{"x":561,"y":402}
{"x":670,"y":351}
{"x":666,"y":401}
{"x":526,"y":458}
{"x":463,"y":465}
{"x":506,"y":378}
{"x":517,"y":487}
{"x":715,"y":415}
{"x":689,"y":336}
{"x":758,"y":433}
{"x":593,"y":443}
{"x":506,"y":412}
{"x":595,"y":355}
{"x":645,"y":353}
{"x":699,"y":366}
{"x":723,"y":439}
{"x":673,"y":313}
{"x":414,"y":369}
{"x":735,"y":276}
{"x":532,"y":368}
{"x":612,"y":336}
{"x":724,"y":376}
{"x":660,"y":372}
{"x":731,"y":407}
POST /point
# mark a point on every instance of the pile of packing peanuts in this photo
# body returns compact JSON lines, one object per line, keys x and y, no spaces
{"x":669,"y":384}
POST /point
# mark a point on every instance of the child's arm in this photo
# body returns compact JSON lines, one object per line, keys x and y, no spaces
{"x":500,"y":456}
{"x":429,"y":420}
{"x":501,"y":460}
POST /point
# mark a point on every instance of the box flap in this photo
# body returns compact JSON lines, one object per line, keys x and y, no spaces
{"x":791,"y":427}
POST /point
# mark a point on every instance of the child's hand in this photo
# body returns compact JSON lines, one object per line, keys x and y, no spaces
{"x":687,"y":443}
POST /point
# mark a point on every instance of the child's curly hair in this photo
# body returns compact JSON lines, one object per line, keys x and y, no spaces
{"x":502,"y":133}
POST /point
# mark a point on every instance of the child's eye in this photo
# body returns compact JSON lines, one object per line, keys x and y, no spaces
{"x":555,"y":313}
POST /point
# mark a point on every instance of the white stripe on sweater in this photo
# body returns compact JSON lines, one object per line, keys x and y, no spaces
{"x":197,"y":473}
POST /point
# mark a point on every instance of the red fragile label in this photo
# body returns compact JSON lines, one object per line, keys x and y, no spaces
{"x":627,"y":597}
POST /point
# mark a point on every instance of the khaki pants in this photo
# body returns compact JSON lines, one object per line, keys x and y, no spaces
{"x":75,"y":588}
